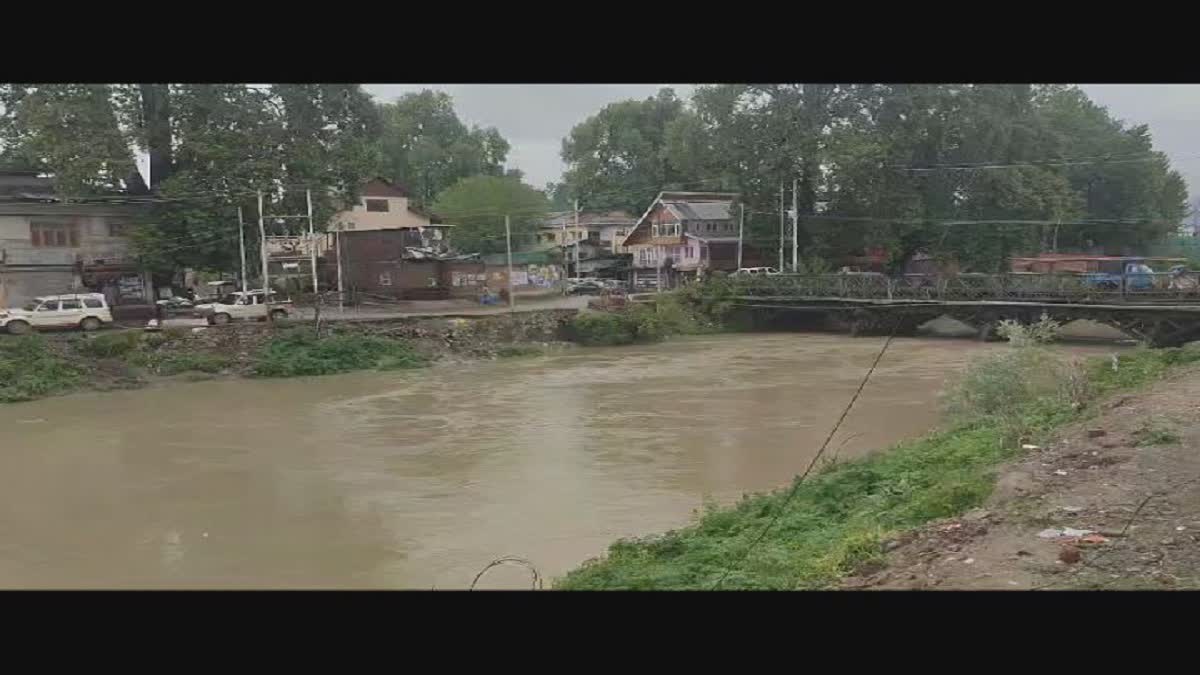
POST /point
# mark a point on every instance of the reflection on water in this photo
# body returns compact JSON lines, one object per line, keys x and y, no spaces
{"x":419,"y":479}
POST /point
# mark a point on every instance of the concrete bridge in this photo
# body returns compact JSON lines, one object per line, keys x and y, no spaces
{"x":1160,"y":309}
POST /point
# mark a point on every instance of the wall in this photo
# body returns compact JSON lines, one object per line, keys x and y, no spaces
{"x":398,"y":215}
{"x":29,"y":271}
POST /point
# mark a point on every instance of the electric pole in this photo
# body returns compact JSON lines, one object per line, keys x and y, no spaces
{"x":337,"y":246}
{"x":312,"y":243}
{"x":741,"y":227}
{"x":242,"y":247}
{"x":577,"y":240}
{"x":262,"y":249}
{"x":781,"y":226}
{"x":795,"y":229}
{"x":508,"y":247}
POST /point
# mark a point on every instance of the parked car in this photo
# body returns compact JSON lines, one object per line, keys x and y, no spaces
{"x":1137,"y":276}
{"x":585,"y":287}
{"x":86,"y":311}
{"x":240,"y":305}
{"x":757,"y":271}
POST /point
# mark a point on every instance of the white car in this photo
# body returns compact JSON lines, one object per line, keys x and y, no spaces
{"x":86,"y":311}
{"x":240,"y":305}
{"x":757,"y":271}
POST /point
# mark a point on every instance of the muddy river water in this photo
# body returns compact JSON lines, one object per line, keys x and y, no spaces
{"x":418,"y":479}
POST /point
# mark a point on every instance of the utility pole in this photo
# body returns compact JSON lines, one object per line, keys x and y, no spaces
{"x":781,"y":226}
{"x":262,"y":249}
{"x":741,"y":227}
{"x":508,"y":247}
{"x":795,"y":228}
{"x":312,"y":243}
{"x":337,"y":245}
{"x":577,"y":240}
{"x":242,"y":246}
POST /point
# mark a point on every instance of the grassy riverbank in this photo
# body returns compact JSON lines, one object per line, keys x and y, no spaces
{"x":838,"y":522}
{"x":50,"y":364}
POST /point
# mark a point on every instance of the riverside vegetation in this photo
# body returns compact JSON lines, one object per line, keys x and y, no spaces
{"x":838,"y":521}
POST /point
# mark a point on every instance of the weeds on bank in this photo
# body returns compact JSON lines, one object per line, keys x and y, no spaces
{"x":298,"y":352}
{"x":670,"y":314}
{"x":838,"y":519}
{"x":30,"y":369}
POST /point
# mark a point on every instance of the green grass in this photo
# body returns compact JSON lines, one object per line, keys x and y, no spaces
{"x":299,"y":353}
{"x":108,"y":345}
{"x":669,"y":315}
{"x":837,"y":520}
{"x":1154,"y":432}
{"x":183,"y":362}
{"x":29,"y":369}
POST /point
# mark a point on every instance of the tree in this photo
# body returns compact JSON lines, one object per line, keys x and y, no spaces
{"x":211,"y":147}
{"x":476,"y":207}
{"x":618,"y":159}
{"x":69,"y":130}
{"x":427,"y":148}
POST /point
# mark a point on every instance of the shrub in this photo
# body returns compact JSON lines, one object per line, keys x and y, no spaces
{"x":173,"y":364}
{"x":603,"y":328}
{"x":109,"y":345}
{"x":29,"y":369}
{"x":1045,"y":330}
{"x":299,"y":353}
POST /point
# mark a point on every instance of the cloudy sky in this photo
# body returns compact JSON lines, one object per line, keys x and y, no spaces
{"x":535,"y":117}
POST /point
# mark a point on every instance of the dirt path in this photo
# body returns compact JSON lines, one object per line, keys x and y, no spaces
{"x":1129,"y":478}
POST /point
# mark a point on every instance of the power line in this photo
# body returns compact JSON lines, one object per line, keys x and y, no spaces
{"x":800,"y":479}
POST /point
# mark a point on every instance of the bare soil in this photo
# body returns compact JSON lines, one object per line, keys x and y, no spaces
{"x":1130,"y":475}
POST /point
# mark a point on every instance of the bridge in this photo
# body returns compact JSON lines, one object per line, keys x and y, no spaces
{"x":1160,"y":309}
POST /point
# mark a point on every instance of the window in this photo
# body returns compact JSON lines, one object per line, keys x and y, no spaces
{"x":53,"y":235}
{"x":385,"y":278}
{"x":48,"y":306}
{"x":118,"y":229}
{"x":377,"y":205}
{"x":93,"y":303}
{"x":71,"y":304}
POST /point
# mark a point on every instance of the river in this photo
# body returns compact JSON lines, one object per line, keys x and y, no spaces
{"x":418,"y":479}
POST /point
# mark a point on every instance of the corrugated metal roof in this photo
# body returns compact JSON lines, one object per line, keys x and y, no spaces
{"x":701,"y":210}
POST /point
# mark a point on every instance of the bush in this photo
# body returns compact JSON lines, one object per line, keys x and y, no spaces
{"x":29,"y":369}
{"x":173,"y":364}
{"x":603,"y":328}
{"x":109,"y":345}
{"x":1044,"y":331}
{"x":299,"y":353}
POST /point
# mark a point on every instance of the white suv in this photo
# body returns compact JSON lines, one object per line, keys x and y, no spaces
{"x":242,"y":306}
{"x":87,"y":311}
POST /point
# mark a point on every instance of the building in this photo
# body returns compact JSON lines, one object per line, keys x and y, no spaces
{"x":49,"y":246}
{"x":604,"y":228}
{"x":383,"y":240}
{"x":684,"y":235}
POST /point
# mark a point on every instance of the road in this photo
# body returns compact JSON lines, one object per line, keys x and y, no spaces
{"x":416,"y":308}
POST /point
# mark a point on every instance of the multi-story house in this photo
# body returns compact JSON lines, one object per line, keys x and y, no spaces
{"x":50,"y":246}
{"x":684,"y":235}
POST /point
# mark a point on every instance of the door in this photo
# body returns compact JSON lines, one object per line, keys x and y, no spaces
{"x":70,"y":312}
{"x":47,"y":315}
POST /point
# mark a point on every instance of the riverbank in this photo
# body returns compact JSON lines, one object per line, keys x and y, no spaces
{"x":51,"y":364}
{"x":848,"y":519}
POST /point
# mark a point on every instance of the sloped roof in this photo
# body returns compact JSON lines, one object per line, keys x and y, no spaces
{"x":689,"y":210}
{"x":379,"y":187}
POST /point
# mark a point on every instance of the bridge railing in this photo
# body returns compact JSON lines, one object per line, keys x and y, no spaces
{"x":1082,"y":288}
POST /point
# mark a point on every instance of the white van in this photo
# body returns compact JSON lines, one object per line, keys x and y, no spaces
{"x":86,"y":311}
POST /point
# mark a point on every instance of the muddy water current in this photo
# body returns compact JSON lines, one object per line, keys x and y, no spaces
{"x":418,"y":479}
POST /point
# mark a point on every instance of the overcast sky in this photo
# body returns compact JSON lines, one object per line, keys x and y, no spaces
{"x":535,"y":117}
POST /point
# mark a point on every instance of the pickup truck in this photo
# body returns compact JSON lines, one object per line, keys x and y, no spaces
{"x":240,"y":305}
{"x":1138,"y":277}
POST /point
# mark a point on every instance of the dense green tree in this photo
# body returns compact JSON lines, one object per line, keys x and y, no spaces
{"x":618,"y":158}
{"x":427,"y":148}
{"x":476,"y":206}
{"x":211,"y":147}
